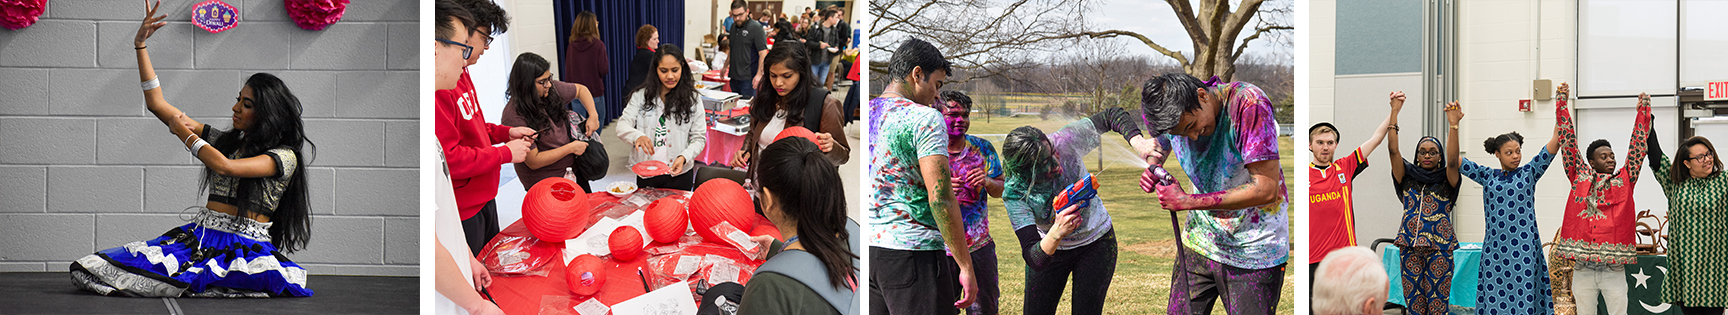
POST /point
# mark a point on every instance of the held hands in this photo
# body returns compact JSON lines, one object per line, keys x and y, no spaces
{"x":1562,"y":92}
{"x":1397,"y":101}
{"x":151,"y":23}
{"x":1454,"y":113}
{"x":1643,"y":98}
{"x":643,"y":144}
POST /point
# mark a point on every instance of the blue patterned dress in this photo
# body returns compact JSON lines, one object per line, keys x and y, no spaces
{"x":1514,"y":274}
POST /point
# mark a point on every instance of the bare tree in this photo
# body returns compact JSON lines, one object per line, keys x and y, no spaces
{"x":995,"y":37}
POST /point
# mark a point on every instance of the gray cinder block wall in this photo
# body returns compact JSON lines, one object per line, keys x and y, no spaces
{"x":83,"y":166}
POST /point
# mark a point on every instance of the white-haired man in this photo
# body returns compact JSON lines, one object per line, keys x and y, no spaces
{"x":1350,"y":281}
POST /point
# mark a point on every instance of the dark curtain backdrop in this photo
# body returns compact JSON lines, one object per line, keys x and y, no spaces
{"x":619,"y":20}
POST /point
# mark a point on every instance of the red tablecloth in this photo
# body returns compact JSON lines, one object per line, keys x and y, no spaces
{"x":722,"y":145}
{"x":720,"y":148}
{"x":550,"y":294}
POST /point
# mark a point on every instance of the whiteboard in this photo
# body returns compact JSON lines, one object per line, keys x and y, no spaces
{"x":1615,"y":125}
{"x":1626,"y":47}
{"x":1704,"y":43}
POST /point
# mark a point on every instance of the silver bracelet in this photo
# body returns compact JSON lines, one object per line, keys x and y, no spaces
{"x":151,"y":85}
{"x":196,"y":145}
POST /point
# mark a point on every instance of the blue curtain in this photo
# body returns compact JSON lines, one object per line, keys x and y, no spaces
{"x":619,"y":20}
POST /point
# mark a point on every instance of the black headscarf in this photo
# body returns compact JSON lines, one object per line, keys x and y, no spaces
{"x":1415,"y":175}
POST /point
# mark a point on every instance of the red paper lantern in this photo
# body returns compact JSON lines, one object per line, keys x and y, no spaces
{"x":665,"y":220}
{"x":584,"y":274}
{"x":625,"y":243}
{"x":767,"y":229}
{"x":721,"y":201}
{"x":555,"y":210}
{"x":796,"y":131}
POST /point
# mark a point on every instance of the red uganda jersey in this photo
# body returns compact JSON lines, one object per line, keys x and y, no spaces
{"x":467,"y":140}
{"x":1331,"y":212}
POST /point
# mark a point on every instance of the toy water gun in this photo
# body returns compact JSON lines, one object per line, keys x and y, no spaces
{"x":1079,"y":193}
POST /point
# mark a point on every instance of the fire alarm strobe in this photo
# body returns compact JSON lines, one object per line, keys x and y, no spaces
{"x":1523,"y":105}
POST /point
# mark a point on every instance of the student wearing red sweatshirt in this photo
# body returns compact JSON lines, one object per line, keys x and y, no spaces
{"x":467,"y":139}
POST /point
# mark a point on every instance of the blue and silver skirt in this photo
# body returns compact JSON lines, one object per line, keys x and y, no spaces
{"x":217,"y":255}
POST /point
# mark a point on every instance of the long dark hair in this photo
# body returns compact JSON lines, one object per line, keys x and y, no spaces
{"x":792,"y":57}
{"x":539,"y":112}
{"x":682,"y":96}
{"x":807,"y":186}
{"x":1681,"y":172}
{"x":276,"y":124}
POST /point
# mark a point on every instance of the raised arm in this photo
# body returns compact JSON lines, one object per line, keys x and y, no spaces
{"x":1565,"y":130}
{"x":185,"y":129}
{"x":1641,"y":135}
{"x":153,"y":99}
{"x":1391,"y":128}
{"x":1454,"y":114}
{"x":1367,"y":147}
{"x":1554,"y":140}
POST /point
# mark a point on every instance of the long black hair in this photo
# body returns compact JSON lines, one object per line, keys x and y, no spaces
{"x":276,"y":124}
{"x":807,"y":186}
{"x":682,"y":97}
{"x":539,"y":112}
{"x":792,"y":57}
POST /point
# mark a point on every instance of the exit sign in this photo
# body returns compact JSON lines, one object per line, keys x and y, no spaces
{"x":1716,"y":91}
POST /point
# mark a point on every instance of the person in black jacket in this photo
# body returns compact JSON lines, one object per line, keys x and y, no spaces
{"x":824,"y":42}
{"x":647,"y":37}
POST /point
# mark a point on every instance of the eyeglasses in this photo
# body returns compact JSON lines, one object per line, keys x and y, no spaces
{"x":547,"y":81}
{"x":466,"y":50}
{"x":488,"y":39}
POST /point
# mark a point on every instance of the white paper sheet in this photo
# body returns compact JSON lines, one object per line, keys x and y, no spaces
{"x":674,"y":299}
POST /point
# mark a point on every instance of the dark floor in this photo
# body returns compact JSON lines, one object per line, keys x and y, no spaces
{"x":53,"y":293}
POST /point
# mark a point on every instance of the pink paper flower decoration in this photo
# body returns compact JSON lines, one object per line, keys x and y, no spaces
{"x":314,"y":14}
{"x":17,"y":14}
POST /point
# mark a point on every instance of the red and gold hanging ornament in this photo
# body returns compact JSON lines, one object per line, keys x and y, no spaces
{"x":215,"y":16}
{"x":315,"y":14}
{"x":583,"y":275}
{"x":555,"y":210}
{"x":721,"y":201}
{"x":665,"y":220}
{"x":625,"y":243}
{"x":17,"y":14}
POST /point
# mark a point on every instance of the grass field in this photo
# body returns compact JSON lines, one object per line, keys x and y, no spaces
{"x":1146,"y":244}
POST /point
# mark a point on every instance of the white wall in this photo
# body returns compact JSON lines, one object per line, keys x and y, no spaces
{"x":533,"y":28}
{"x":1501,"y":52}
{"x":1362,"y":105}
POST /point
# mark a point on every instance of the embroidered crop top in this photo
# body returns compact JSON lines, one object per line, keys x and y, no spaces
{"x":267,"y":192}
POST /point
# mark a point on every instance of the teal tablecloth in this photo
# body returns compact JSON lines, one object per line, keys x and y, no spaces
{"x":1466,"y":262}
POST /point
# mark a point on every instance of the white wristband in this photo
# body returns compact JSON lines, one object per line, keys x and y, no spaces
{"x":196,"y":145}
{"x":151,"y":85}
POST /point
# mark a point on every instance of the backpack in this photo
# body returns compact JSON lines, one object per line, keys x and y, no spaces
{"x":804,"y":267}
